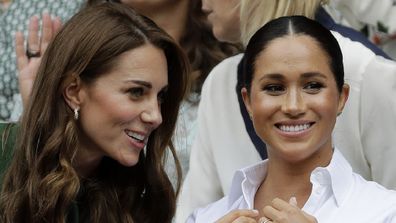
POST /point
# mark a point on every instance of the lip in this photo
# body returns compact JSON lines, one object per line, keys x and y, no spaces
{"x":136,"y":143}
{"x":293,"y":134}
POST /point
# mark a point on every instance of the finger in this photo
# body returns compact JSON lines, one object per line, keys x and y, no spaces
{"x":310,"y":217}
{"x":264,"y":220}
{"x":271,"y":213}
{"x":293,"y":201}
{"x":56,"y":25}
{"x":33,"y":36}
{"x":20,"y":51}
{"x":47,"y":31}
{"x":244,"y":219}
{"x":234,"y":215}
{"x":280,"y":204}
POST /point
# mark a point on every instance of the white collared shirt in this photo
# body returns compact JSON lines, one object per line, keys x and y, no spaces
{"x":338,"y":195}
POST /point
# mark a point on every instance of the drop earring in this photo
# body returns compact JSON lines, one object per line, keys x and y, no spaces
{"x":76,"y":113}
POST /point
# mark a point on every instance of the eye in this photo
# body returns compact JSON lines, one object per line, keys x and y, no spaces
{"x":313,"y":87}
{"x":274,"y":89}
{"x":136,"y":92}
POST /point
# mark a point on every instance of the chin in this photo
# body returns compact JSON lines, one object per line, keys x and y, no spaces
{"x":294,"y":153}
{"x":130,"y":161}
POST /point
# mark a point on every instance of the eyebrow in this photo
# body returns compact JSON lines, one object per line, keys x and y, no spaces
{"x":307,"y":75}
{"x":143,"y":83}
{"x":148,"y":84}
{"x":313,"y":74}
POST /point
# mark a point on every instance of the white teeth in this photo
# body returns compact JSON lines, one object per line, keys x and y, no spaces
{"x":294,"y":128}
{"x":135,"y":135}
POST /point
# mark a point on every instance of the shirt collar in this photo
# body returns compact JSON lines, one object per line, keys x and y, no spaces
{"x":341,"y":176}
{"x":246,"y":182}
{"x":338,"y":174}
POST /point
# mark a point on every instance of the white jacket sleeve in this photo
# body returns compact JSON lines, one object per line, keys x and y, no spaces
{"x":366,"y":130}
{"x":378,"y":118}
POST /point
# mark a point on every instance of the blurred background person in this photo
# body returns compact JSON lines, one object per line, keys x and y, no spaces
{"x":377,"y":19}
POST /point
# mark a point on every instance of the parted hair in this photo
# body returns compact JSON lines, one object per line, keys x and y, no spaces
{"x":41,"y":183}
{"x":255,"y":13}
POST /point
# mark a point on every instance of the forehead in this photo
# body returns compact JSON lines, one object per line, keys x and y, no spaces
{"x":292,"y":53}
{"x":147,"y":63}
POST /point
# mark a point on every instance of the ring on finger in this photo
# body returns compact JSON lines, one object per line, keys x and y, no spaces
{"x":32,"y":53}
{"x":264,"y":220}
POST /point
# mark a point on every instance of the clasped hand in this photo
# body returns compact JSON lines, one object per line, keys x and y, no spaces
{"x":279,"y":211}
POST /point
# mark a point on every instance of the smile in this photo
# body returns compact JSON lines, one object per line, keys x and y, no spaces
{"x":136,"y":136}
{"x":294,"y":128}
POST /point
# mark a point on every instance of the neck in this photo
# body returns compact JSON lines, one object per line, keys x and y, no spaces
{"x":286,"y":179}
{"x":86,"y":162}
{"x":171,"y":17}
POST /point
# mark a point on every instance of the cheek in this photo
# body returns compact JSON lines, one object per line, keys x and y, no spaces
{"x":264,"y":109}
{"x":327,"y":105}
{"x":264,"y":105}
{"x":110,"y":107}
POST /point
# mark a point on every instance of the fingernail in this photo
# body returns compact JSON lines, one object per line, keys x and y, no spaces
{"x":293,"y":201}
{"x":255,"y":211}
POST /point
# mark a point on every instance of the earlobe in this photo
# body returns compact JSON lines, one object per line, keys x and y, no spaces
{"x":246,"y":100}
{"x":71,"y":93}
{"x":343,"y":98}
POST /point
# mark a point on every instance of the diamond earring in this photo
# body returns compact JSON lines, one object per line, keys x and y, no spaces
{"x":76,"y":113}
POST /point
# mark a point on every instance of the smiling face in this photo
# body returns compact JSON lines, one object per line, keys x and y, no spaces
{"x":122,"y":107}
{"x":224,"y":17}
{"x":294,"y":99}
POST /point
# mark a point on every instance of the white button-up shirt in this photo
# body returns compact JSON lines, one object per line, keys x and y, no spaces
{"x":338,"y":195}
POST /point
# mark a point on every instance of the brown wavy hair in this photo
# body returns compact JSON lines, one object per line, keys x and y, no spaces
{"x":41,"y":184}
{"x":201,"y":46}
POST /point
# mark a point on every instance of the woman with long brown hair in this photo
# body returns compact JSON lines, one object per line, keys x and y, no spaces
{"x":102,"y":111}
{"x":187,"y":24}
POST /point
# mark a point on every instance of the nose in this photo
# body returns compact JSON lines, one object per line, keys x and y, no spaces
{"x":152,"y":114}
{"x":294,"y":104}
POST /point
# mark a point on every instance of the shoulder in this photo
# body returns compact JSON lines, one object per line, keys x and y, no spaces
{"x":8,"y":133}
{"x":356,"y":55}
{"x":373,"y":190}
{"x":369,"y":195}
{"x":220,"y":84}
{"x":226,"y":69}
{"x":210,"y":213}
{"x":360,"y":61}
